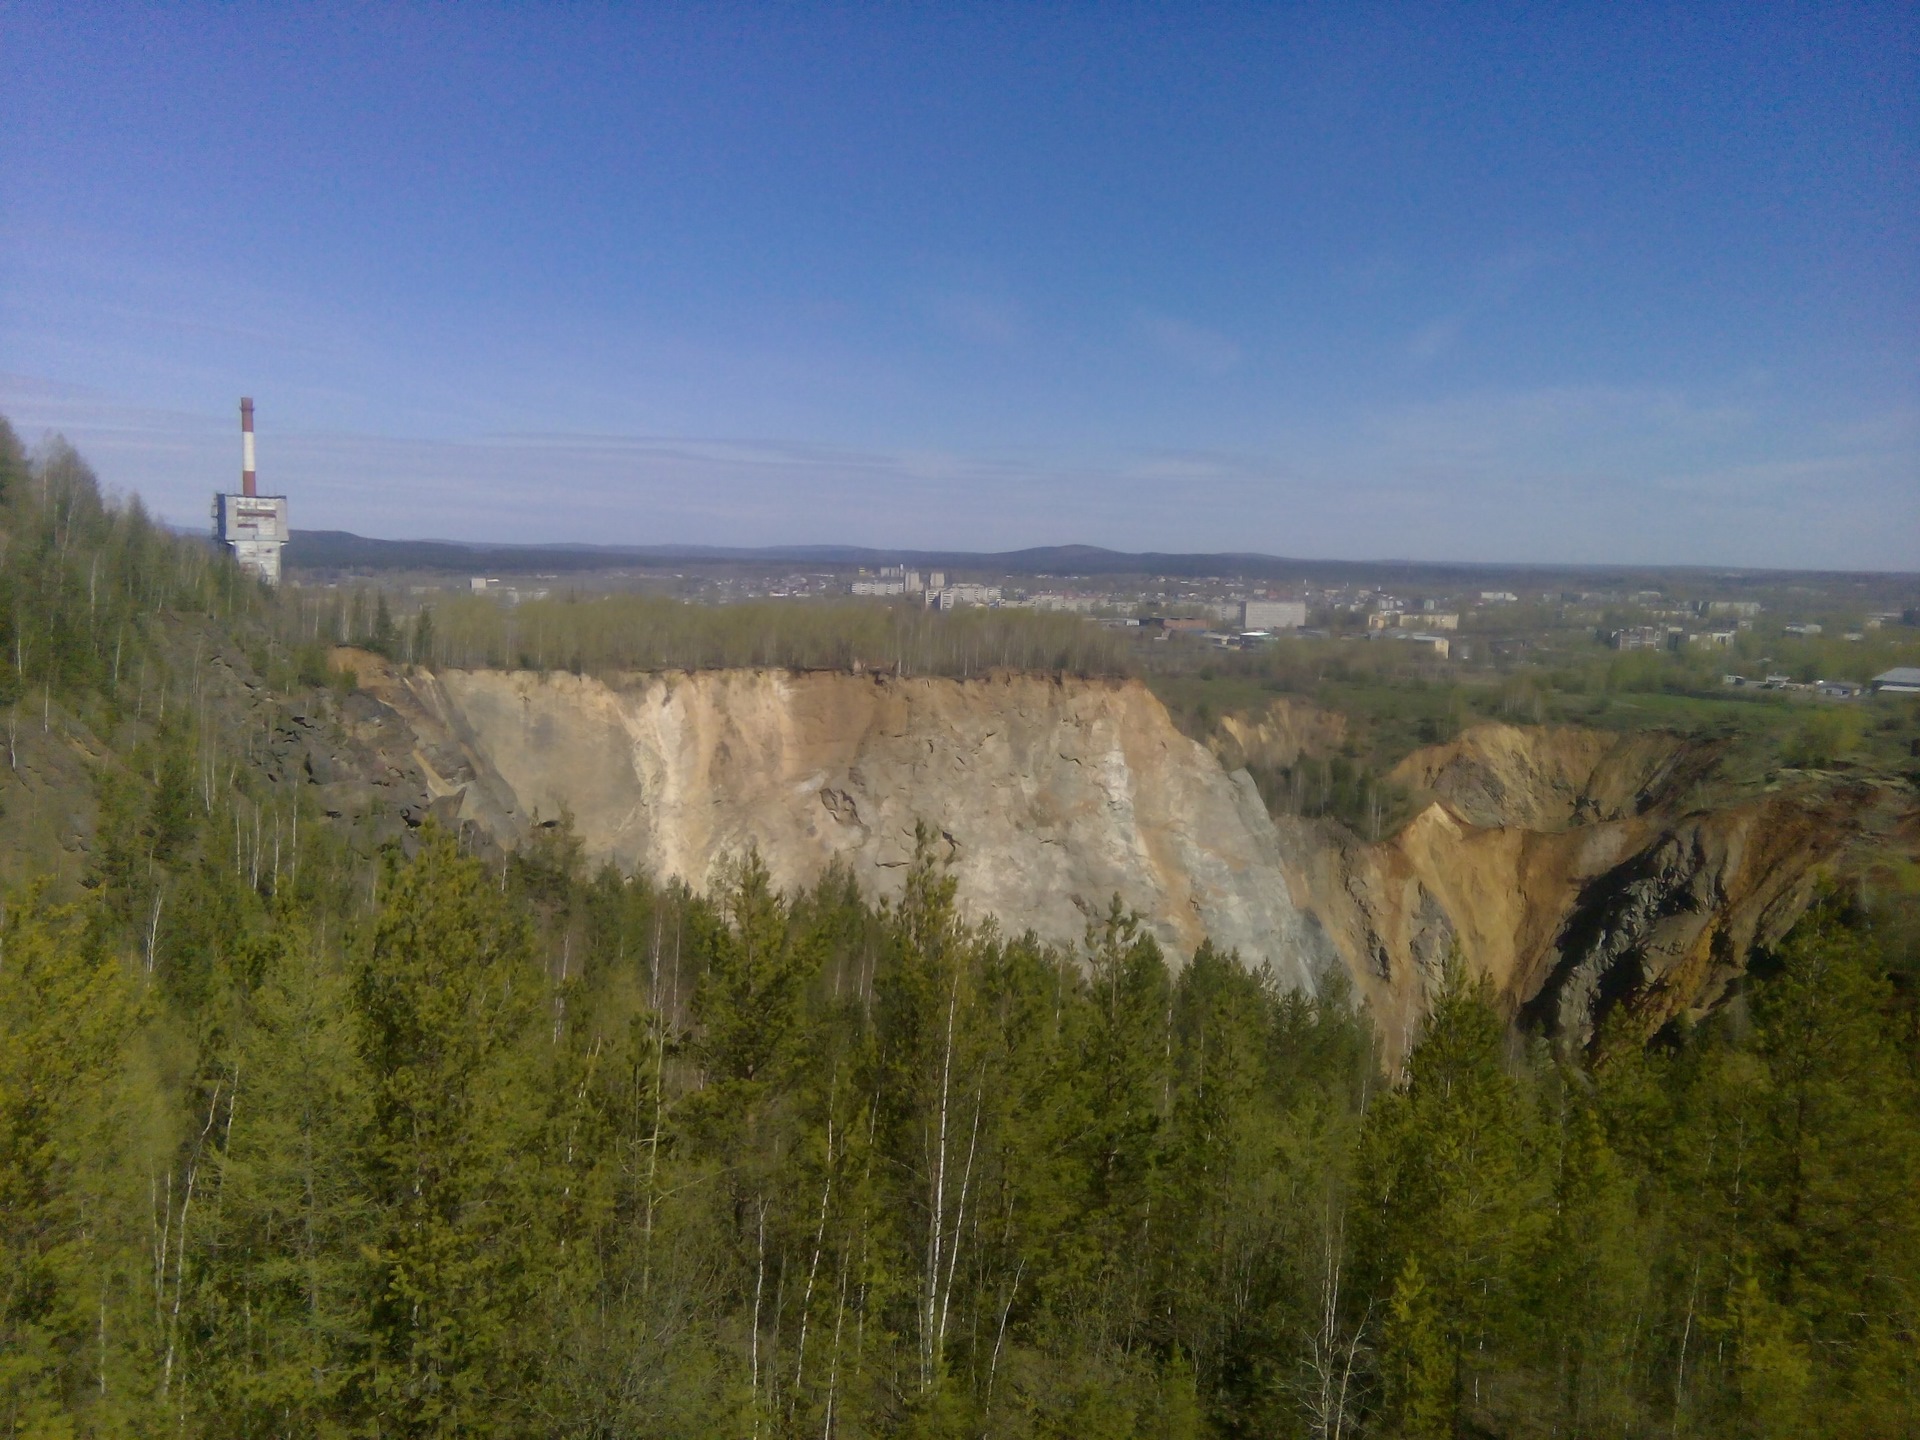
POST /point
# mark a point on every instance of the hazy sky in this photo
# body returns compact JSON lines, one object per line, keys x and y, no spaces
{"x":1619,"y":283}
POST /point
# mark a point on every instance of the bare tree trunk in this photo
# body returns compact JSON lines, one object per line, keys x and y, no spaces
{"x":1686,"y":1334}
{"x":937,"y":1216}
{"x":959,"y":1220}
{"x":833,"y":1370}
{"x":813,"y":1267}
{"x":180,"y":1245}
{"x":993,"y":1366}
{"x":153,"y":925}
{"x":759,"y":1286}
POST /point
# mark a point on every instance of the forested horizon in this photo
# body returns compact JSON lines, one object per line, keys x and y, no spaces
{"x":307,"y":1134}
{"x":609,"y":635}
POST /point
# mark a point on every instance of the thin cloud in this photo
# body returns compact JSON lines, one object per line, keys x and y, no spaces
{"x":1192,"y":347}
{"x":981,"y":319}
{"x":1496,"y":282}
{"x":1436,"y":337}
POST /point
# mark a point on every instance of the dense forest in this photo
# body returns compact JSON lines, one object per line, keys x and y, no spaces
{"x":609,"y":634}
{"x":302,"y":1136}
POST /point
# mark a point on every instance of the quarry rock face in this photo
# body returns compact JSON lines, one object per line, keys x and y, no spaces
{"x":1578,"y":870}
{"x":1047,"y":797}
{"x":1583,"y":873}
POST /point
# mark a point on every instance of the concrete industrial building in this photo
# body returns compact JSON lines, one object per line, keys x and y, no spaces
{"x":952,"y":597}
{"x":1414,"y":619}
{"x":898,"y":580}
{"x":1645,"y":637}
{"x":251,"y":525}
{"x":1272,"y":614}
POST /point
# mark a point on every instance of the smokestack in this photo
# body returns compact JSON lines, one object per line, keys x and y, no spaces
{"x":246,"y":446}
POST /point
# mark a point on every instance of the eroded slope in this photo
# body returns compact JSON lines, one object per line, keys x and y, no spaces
{"x":1049,"y":796}
{"x":1580,"y":871}
{"x":1583,"y":872}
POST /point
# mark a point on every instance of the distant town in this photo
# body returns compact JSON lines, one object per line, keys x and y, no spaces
{"x":1820,"y":633}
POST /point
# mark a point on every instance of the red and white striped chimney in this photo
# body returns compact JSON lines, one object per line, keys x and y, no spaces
{"x":246,"y":446}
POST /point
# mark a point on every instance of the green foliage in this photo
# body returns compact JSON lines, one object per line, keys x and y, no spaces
{"x":66,"y":1008}
{"x":1452,"y":1185}
{"x":1345,"y":789}
{"x":612,"y":633}
{"x":521,"y":1148}
{"x":1421,"y":1361}
{"x":1823,"y":737}
{"x":383,"y":637}
{"x":442,"y":997}
{"x":82,"y":584}
{"x":303,"y":1139}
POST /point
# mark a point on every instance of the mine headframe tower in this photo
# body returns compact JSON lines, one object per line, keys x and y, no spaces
{"x":253,"y":526}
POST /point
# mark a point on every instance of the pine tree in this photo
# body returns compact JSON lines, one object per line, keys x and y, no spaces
{"x":1835,"y":1216}
{"x":443,"y":995}
{"x":276,"y":1299}
{"x":65,"y":1011}
{"x":420,"y":650}
{"x":1420,"y":1360}
{"x":1589,"y":1281}
{"x":1447,"y":1198}
{"x":384,"y":637}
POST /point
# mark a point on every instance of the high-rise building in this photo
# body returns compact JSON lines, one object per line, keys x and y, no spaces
{"x":1272,"y":614}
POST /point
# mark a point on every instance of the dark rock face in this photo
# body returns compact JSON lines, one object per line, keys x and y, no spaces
{"x":1669,"y":930}
{"x":1606,"y":885}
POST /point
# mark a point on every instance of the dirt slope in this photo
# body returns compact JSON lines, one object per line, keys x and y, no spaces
{"x":1553,"y":777}
{"x":1580,"y":871}
{"x":1279,"y":735}
{"x":1049,"y":796}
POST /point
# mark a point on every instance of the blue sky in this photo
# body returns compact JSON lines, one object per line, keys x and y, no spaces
{"x":1475,"y":282}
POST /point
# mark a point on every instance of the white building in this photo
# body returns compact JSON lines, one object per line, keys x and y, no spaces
{"x":254,"y":528}
{"x":1272,"y":614}
{"x":952,"y":597}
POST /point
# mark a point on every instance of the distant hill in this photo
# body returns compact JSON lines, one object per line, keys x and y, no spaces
{"x":341,"y":550}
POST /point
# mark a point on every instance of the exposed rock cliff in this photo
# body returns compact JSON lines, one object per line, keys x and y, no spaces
{"x":1581,"y":871}
{"x":1279,"y":735}
{"x":1554,"y":777}
{"x":1049,"y":797}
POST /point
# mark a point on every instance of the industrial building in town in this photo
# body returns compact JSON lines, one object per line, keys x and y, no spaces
{"x":952,"y":597}
{"x":1272,"y":614}
{"x":252,"y":526}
